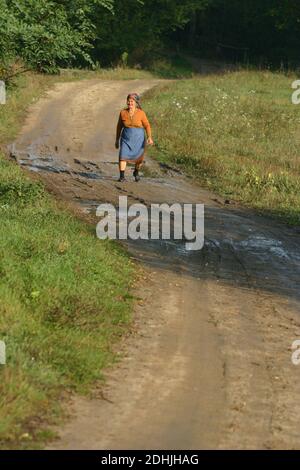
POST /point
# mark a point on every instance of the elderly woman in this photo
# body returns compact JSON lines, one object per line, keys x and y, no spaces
{"x":130,"y":137}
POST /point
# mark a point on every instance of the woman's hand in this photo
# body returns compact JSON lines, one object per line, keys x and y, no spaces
{"x":149,"y":141}
{"x":117,"y":145}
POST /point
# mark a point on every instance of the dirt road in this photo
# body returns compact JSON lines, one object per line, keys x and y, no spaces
{"x":209,"y":364}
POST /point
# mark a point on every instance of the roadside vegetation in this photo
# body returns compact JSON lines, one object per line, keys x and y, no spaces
{"x":65,"y":295}
{"x":237,"y":134}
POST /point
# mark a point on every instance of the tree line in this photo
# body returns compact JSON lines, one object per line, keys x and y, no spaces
{"x":47,"y":34}
{"x":260,"y":32}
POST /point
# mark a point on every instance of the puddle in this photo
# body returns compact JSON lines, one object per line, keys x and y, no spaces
{"x":237,"y":246}
{"x":89,"y":175}
{"x":262,"y":245}
{"x":51,"y":164}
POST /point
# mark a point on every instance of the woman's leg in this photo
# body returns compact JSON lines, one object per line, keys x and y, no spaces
{"x":122,"y":165}
{"x":122,"y":168}
{"x":137,"y":167}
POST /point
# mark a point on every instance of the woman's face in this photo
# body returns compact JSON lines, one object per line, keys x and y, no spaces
{"x":131,"y":103}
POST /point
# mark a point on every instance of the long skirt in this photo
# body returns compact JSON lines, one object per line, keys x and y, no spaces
{"x":132,"y":145}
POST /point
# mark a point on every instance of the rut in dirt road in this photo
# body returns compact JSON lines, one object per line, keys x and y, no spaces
{"x":210,"y":363}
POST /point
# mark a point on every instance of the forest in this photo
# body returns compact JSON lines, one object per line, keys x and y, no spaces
{"x":46,"y":35}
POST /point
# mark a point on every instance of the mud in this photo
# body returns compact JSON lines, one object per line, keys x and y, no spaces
{"x":208,"y":364}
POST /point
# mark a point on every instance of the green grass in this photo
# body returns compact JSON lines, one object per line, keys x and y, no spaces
{"x":238,"y":134}
{"x":171,"y":67}
{"x":65,"y":295}
{"x":116,"y":73}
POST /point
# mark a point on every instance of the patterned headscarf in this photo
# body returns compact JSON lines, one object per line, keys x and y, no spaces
{"x":136,"y":98}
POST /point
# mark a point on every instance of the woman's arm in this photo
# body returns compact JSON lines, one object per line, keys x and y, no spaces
{"x":147,"y":127}
{"x":119,"y":130}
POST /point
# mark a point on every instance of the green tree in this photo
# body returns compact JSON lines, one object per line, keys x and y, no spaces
{"x":140,"y":27}
{"x":46,"y":34}
{"x":268,"y":30}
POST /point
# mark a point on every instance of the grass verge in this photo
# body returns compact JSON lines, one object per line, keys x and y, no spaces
{"x":238,"y":134}
{"x":65,"y":295}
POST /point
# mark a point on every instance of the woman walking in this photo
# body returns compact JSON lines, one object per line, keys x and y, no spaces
{"x":130,"y":137}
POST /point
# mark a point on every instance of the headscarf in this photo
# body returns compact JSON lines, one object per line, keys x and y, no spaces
{"x":136,"y":98}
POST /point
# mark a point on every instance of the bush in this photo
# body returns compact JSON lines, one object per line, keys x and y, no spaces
{"x":45,"y":34}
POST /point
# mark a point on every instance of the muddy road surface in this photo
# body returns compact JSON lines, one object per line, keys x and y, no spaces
{"x":208,"y":364}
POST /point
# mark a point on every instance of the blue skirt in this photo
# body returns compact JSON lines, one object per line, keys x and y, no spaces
{"x":132,"y":145}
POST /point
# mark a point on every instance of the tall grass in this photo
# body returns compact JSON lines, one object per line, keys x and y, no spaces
{"x":237,"y":133}
{"x":65,"y":295}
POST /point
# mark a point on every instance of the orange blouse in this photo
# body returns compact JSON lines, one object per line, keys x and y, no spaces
{"x":139,"y":119}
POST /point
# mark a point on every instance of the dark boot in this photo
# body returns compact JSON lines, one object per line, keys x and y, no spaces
{"x":122,"y":176}
{"x":136,"y":175}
